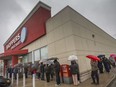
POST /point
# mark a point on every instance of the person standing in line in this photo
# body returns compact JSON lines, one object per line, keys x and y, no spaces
{"x":94,"y":72}
{"x":78,"y":72}
{"x":15,"y":71}
{"x":38,"y":71}
{"x":7,"y":72}
{"x":47,"y":71}
{"x":112,"y":61}
{"x":100,"y":66}
{"x":52,"y":71}
{"x":26,"y":72}
{"x":74,"y":70}
{"x":106,"y":64}
{"x":10,"y":70}
{"x":42,"y":71}
{"x":57,"y":72}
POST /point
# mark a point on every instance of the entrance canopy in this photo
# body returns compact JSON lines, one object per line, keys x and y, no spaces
{"x":13,"y":53}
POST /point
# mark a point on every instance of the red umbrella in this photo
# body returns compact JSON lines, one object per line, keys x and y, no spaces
{"x":113,"y":55}
{"x":93,"y":57}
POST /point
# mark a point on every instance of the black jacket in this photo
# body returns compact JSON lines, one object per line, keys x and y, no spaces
{"x":57,"y":66}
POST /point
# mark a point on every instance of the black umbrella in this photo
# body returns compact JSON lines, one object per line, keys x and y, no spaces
{"x":35,"y":65}
{"x":53,"y":58}
{"x":100,"y":56}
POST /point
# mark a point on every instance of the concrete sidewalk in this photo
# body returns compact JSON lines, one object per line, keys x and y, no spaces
{"x":105,"y":78}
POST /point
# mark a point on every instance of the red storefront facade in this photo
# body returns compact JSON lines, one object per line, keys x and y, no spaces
{"x":31,"y":29}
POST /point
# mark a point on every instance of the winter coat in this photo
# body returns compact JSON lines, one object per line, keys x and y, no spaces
{"x":57,"y":66}
{"x":15,"y":70}
{"x":94,"y":65}
{"x":74,"y":68}
{"x":42,"y":68}
{"x":38,"y":69}
{"x":25,"y":69}
{"x":100,"y":65}
{"x":47,"y":69}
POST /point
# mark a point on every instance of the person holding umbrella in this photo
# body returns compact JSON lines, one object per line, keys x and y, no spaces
{"x":74,"y":70}
{"x":100,"y":64}
{"x":57,"y":72}
{"x":106,"y":64}
{"x":94,"y":72}
{"x":94,"y":69}
{"x":78,"y":72}
{"x":73,"y":58}
{"x":42,"y":70}
{"x":47,"y":71}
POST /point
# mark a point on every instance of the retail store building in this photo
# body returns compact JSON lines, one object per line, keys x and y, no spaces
{"x":41,"y":36}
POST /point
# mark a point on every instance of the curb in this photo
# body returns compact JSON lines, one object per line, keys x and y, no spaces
{"x":110,"y":81}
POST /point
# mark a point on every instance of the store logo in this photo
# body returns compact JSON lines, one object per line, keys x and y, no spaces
{"x":18,"y":39}
{"x":23,"y":34}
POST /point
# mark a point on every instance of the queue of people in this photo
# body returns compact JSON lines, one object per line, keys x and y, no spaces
{"x":47,"y":72}
{"x":16,"y":70}
{"x":97,"y":67}
{"x":104,"y":65}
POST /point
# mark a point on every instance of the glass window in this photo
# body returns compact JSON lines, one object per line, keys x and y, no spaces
{"x":30,"y":57}
{"x":9,"y":62}
{"x":37,"y":54}
{"x":25,"y":59}
{"x":44,"y":52}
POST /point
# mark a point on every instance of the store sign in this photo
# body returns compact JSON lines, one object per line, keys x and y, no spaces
{"x":18,"y":39}
{"x":23,"y":34}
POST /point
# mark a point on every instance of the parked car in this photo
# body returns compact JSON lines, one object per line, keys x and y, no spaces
{"x":4,"y":82}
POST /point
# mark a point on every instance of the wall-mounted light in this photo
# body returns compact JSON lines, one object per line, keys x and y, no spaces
{"x":93,"y":35}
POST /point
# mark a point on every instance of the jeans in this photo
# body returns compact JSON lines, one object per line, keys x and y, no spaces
{"x":48,"y":77}
{"x":95,"y":76}
{"x":57,"y":78}
{"x":42,"y":76}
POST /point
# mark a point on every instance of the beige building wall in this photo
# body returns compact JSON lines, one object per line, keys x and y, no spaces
{"x":37,"y":44}
{"x":70,"y":33}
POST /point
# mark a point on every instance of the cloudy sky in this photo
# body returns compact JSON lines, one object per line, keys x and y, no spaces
{"x":100,"y":12}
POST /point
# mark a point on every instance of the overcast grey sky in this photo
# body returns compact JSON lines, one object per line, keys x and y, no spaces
{"x":101,"y":12}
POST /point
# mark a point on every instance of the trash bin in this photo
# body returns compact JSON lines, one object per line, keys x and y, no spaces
{"x":66,"y":74}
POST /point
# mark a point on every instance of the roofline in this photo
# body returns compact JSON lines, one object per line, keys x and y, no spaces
{"x":83,"y":17}
{"x":39,"y":4}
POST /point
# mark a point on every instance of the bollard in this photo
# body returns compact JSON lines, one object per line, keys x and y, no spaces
{"x":34,"y":70}
{"x":34,"y":78}
{"x":8,"y":75}
{"x":17,"y":79}
{"x":5,"y":75}
{"x":23,"y":79}
{"x":12,"y":78}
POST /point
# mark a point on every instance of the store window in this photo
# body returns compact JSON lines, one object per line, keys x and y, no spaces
{"x":41,"y":53}
{"x":9,"y":62}
{"x":44,"y":52}
{"x":37,"y":54}
{"x":25,"y":59}
{"x":29,"y":57}
{"x":1,"y":67}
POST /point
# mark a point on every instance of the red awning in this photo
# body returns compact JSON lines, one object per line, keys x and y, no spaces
{"x":12,"y":53}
